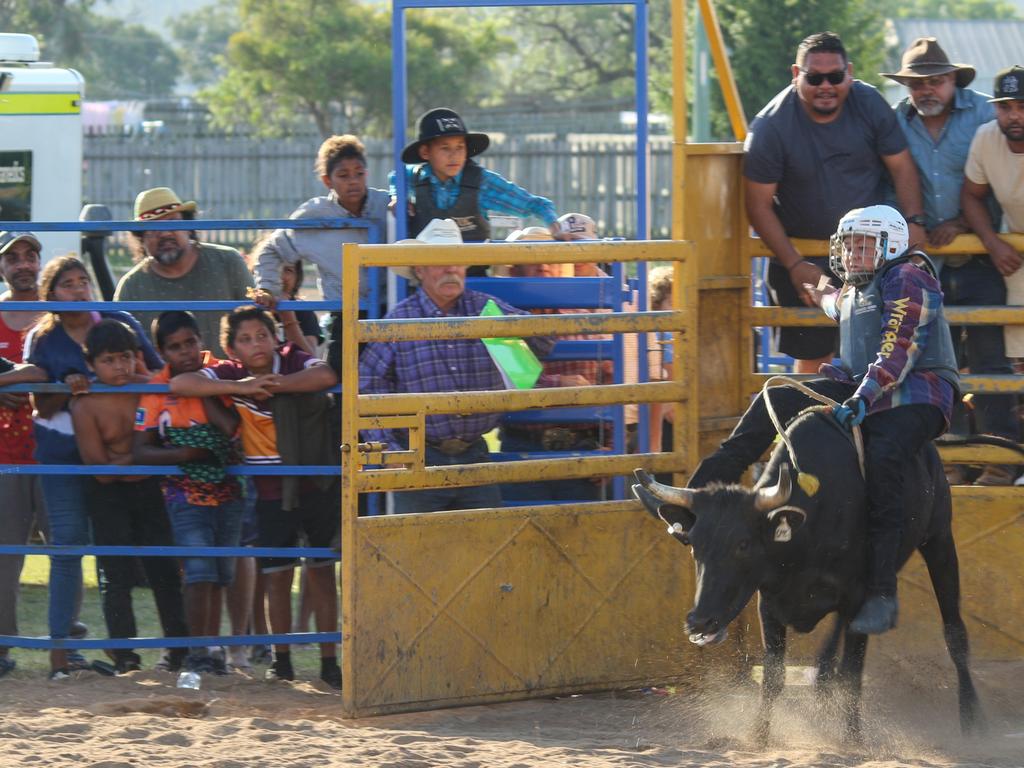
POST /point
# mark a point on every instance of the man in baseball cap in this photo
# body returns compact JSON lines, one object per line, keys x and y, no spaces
{"x":939,"y":117}
{"x":995,"y":169}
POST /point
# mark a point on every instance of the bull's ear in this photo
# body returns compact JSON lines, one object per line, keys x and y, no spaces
{"x":782,"y":523}
{"x":678,"y":519}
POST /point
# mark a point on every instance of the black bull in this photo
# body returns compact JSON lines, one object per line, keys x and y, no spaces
{"x":806,"y":557}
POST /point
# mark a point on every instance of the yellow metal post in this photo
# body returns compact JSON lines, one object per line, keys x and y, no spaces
{"x":730,"y":93}
{"x":349,"y":470}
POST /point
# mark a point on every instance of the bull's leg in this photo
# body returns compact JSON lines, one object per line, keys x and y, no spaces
{"x":773,"y":635}
{"x":826,"y":661}
{"x":944,"y":569}
{"x":851,"y":676}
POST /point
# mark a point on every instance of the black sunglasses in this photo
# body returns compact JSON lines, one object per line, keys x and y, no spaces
{"x":816,"y":78}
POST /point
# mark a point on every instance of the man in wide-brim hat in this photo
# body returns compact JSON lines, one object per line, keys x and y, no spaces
{"x":924,"y":58}
{"x":940,"y":117}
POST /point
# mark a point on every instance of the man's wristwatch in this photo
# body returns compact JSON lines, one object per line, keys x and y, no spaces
{"x":917,"y":218}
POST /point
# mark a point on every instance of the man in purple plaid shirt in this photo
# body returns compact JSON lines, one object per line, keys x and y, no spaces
{"x":442,"y":365}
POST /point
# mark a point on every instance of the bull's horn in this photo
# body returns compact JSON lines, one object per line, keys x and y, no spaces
{"x":770,"y":498}
{"x":681,"y":497}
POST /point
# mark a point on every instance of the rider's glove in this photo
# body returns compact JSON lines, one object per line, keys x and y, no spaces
{"x":851,"y":413}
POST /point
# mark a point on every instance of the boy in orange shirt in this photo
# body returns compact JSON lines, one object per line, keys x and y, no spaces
{"x":205,"y":505}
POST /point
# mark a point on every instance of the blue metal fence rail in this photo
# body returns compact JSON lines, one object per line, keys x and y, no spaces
{"x":374,"y":235}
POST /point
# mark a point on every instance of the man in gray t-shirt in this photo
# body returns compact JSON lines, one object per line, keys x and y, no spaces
{"x":820,"y":148}
{"x":174,"y":266}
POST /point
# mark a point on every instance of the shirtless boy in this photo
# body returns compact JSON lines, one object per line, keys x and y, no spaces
{"x":126,"y":510}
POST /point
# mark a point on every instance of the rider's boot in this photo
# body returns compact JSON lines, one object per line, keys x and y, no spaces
{"x":880,"y":610}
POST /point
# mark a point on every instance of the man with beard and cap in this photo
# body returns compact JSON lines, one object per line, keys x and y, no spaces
{"x":995,"y":167}
{"x":175,"y":266}
{"x":939,"y":117}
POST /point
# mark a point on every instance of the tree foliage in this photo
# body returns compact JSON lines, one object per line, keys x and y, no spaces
{"x":202,"y":40}
{"x":118,"y":60}
{"x":331,"y":61}
{"x":763,"y":36}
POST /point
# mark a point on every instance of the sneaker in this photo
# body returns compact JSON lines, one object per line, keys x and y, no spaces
{"x":200,"y":664}
{"x":7,"y":665}
{"x":332,"y":676}
{"x":76,"y":662}
{"x":997,"y":474}
{"x":127,"y":662}
{"x":955,"y":474}
{"x":238,"y":660}
{"x":280,"y":670}
{"x":218,"y":664}
{"x":60,"y":674}
{"x":261,"y":654}
{"x":168,"y":663}
{"x":877,"y":615}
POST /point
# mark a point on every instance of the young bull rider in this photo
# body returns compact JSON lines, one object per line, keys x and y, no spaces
{"x":898,"y":381}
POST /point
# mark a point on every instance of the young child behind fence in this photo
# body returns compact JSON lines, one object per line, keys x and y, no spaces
{"x":289,"y":427}
{"x":204,"y":505}
{"x":125,"y":510}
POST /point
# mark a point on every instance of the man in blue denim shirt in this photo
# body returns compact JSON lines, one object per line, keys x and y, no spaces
{"x":939,"y":118}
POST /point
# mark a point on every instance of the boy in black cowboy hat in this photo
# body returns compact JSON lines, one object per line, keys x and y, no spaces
{"x":445,"y":183}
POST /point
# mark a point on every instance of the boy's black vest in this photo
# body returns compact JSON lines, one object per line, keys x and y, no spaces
{"x":860,"y":320}
{"x":466,"y":211}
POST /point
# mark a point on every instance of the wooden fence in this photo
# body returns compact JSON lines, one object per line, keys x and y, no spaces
{"x":247,"y":177}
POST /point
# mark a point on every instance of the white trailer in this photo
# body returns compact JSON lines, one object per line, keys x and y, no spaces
{"x":40,"y":142}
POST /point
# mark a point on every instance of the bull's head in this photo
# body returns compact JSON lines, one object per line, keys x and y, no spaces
{"x":734,"y":532}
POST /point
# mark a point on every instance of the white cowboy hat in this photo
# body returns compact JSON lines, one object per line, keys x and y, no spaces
{"x":437,"y":232}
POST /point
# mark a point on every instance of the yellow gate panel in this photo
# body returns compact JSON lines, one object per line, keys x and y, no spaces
{"x":468,"y":607}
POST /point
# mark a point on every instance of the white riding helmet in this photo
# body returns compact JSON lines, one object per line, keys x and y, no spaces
{"x":884,"y":224}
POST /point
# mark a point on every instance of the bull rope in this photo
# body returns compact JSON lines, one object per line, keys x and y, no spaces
{"x":808,"y":482}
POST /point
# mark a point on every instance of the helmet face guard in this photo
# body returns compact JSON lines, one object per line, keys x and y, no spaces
{"x":856,"y":256}
{"x":865,"y":239}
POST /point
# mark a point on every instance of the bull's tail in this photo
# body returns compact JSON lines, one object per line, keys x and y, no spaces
{"x":999,"y":442}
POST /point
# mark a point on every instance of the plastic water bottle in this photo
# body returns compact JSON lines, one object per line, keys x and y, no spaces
{"x":189,"y":680}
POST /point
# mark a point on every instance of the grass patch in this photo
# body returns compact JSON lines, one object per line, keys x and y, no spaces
{"x":32,"y":621}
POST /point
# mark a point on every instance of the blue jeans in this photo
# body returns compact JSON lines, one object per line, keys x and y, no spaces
{"x":440,"y":499}
{"x":978,"y":283}
{"x":69,"y":524}
{"x":206,"y":526}
{"x":546,"y":491}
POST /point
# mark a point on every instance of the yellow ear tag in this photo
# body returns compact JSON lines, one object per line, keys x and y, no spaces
{"x":809,"y":484}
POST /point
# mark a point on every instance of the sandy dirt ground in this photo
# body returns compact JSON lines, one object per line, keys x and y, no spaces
{"x":237,"y":722}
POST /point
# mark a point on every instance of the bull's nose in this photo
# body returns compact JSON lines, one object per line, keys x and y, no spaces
{"x":701,"y":625}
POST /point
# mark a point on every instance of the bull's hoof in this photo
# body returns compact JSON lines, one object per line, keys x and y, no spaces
{"x":761,"y":734}
{"x":973,"y":724}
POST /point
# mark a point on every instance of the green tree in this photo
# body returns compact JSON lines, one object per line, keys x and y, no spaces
{"x":125,"y":61}
{"x":296,"y":60}
{"x":202,"y":39}
{"x":118,"y":60}
{"x":763,"y":36}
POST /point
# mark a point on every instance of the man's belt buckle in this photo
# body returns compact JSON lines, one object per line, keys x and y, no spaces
{"x":453,"y":446}
{"x":558,"y":439}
